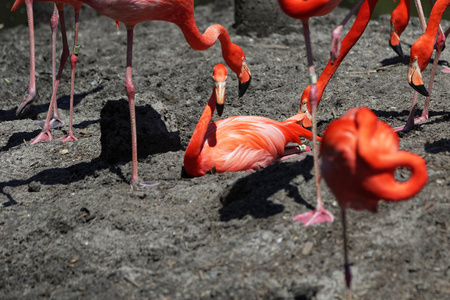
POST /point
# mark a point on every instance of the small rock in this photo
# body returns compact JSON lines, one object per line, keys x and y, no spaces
{"x":307,"y":248}
{"x":64,"y":151}
{"x":34,"y":187}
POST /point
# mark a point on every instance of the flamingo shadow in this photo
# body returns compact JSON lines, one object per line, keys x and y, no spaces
{"x":35,"y":110}
{"x":249,"y":195}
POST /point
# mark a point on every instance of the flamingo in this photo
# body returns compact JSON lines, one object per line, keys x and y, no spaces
{"x":304,"y":10}
{"x":359,"y":157}
{"x":238,"y":143}
{"x":420,"y":55}
{"x":353,"y":35}
{"x":181,"y":13}
{"x":399,"y":20}
{"x":50,"y":122}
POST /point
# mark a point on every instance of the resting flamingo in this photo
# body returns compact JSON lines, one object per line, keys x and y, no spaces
{"x":304,"y":10}
{"x":238,"y":143}
{"x":181,"y":13}
{"x":58,"y":15}
{"x":420,"y":55}
{"x":359,"y":157}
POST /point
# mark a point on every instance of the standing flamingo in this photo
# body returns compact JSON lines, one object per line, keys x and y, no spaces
{"x":31,"y":92}
{"x":359,"y":157}
{"x":181,"y":13}
{"x":420,"y":55}
{"x":238,"y":143}
{"x":353,"y":35}
{"x":304,"y":10}
{"x":399,"y":20}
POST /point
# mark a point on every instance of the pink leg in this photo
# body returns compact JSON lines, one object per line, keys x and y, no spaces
{"x":293,"y":151}
{"x":70,"y":137}
{"x":411,"y":120}
{"x":56,"y":121}
{"x":336,"y":35}
{"x":31,"y":92}
{"x":320,"y":214}
{"x":135,"y":182}
{"x":45,"y":135}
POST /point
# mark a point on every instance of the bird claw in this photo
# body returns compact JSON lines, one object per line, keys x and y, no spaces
{"x":143,"y":184}
{"x":68,"y":138}
{"x":54,"y":123}
{"x":315,"y":217}
{"x":43,"y":136}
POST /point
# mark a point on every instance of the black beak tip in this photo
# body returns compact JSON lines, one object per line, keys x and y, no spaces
{"x":219,"y":109}
{"x":244,"y":86}
{"x":421,"y":89}
{"x":397,"y":49}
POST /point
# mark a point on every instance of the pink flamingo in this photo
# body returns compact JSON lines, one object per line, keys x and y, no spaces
{"x":304,"y":10}
{"x":238,"y":143}
{"x":399,"y":20}
{"x":359,"y":157}
{"x":31,"y":92}
{"x":181,"y":13}
{"x":353,"y":35}
{"x":420,"y":55}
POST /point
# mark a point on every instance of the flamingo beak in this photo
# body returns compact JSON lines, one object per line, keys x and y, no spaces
{"x":394,"y":42}
{"x":220,"y":97}
{"x":244,"y":79}
{"x":415,"y":78}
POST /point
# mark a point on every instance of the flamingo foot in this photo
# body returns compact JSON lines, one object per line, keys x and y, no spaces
{"x":335,"y":43}
{"x":43,"y":136}
{"x":143,"y":184}
{"x":410,"y":126}
{"x":68,"y":138}
{"x":54,"y":123}
{"x":319,"y":215}
{"x":446,"y":70}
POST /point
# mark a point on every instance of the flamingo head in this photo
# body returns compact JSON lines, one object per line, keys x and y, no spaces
{"x":394,"y":40}
{"x":220,"y":78}
{"x":305,"y":105}
{"x":415,"y":79}
{"x":235,"y":59}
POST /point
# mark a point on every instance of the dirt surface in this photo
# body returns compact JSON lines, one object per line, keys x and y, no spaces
{"x":72,"y":229}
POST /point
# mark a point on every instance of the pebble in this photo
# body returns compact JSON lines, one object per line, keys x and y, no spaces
{"x":34,"y":187}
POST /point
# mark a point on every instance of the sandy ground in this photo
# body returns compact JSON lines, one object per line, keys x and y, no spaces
{"x":72,"y":229}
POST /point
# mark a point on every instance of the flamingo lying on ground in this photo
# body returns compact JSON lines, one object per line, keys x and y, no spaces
{"x":181,"y":13}
{"x":359,"y":157}
{"x":420,"y":55}
{"x":238,"y":143}
{"x":31,"y":92}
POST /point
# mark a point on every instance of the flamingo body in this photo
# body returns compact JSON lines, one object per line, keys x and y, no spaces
{"x":238,"y":143}
{"x":300,"y":9}
{"x":359,"y":157}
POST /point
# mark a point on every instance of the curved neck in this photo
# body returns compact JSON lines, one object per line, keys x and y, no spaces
{"x":355,"y":32}
{"x":198,"y":137}
{"x":435,"y":17}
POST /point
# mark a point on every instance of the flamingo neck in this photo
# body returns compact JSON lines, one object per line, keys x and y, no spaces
{"x":426,"y":41}
{"x":198,"y":137}
{"x":355,"y":32}
{"x":400,"y":16}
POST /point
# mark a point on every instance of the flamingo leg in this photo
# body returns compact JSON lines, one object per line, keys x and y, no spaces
{"x":439,"y":47}
{"x":31,"y":91}
{"x":45,"y":134}
{"x":131,"y":92}
{"x":347,"y":271}
{"x":320,"y":214}
{"x":70,"y":136}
